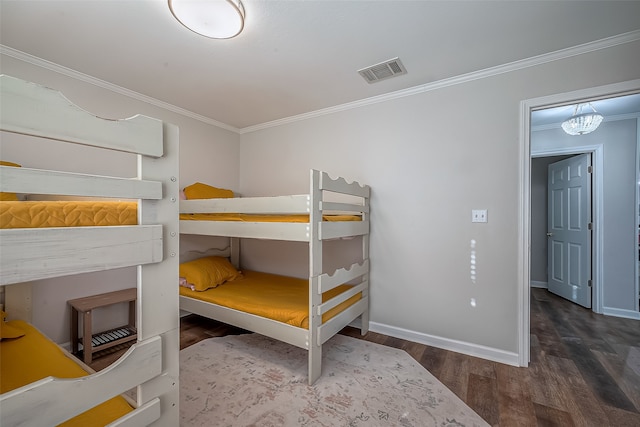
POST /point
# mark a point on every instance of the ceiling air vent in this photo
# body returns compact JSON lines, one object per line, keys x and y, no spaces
{"x":384,"y":70}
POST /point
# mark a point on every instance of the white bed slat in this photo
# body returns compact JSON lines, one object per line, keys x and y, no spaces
{"x":297,"y":204}
{"x":334,"y":230}
{"x":338,"y":299}
{"x":326,"y":282}
{"x":342,"y":207}
{"x":31,"y":109}
{"x":37,"y":181}
{"x":141,"y":416}
{"x":298,"y":232}
{"x":340,"y":185}
{"x":52,"y":401}
{"x":38,"y":253}
{"x":298,"y":337}
{"x":336,"y":323}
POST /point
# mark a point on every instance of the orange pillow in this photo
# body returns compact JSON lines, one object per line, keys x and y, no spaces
{"x":204,"y":191}
{"x":9,"y":197}
{"x":208,"y":272}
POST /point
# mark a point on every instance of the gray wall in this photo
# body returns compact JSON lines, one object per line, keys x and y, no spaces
{"x":620,"y":227}
{"x":430,"y":159}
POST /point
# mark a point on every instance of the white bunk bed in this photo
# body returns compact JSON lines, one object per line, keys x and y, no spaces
{"x":151,"y":364}
{"x":314,"y":232}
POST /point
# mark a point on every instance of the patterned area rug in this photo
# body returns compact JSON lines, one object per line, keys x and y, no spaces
{"x":252,"y":380}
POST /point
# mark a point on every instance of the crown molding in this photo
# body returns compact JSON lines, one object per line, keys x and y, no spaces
{"x":415,"y":90}
{"x":51,"y":66}
{"x":463,"y":78}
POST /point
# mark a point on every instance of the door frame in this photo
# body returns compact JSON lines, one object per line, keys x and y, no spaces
{"x":597,"y":208}
{"x":524,"y":202}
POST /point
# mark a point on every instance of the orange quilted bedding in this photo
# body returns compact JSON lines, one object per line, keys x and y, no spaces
{"x":37,"y":214}
{"x":262,"y":218}
{"x":33,"y":356}
{"x":281,"y":298}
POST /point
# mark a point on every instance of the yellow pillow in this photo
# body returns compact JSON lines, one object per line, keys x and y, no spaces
{"x":9,"y":197}
{"x":8,"y":331}
{"x":204,"y":191}
{"x":208,"y":272}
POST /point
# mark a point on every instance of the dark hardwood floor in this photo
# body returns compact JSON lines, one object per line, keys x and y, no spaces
{"x":584,"y":371}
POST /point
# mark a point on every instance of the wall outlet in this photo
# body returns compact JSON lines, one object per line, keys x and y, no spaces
{"x":479,"y":215}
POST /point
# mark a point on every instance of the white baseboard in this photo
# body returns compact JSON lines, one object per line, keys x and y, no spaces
{"x":618,"y":312}
{"x":470,"y":349}
{"x":538,"y":284}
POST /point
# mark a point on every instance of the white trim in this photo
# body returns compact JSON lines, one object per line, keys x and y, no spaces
{"x":60,"y":69}
{"x":538,"y":284}
{"x":619,"y":312}
{"x":524,"y":181}
{"x":524,"y":237}
{"x":470,"y":349}
{"x":637,"y":206}
{"x":463,"y":78}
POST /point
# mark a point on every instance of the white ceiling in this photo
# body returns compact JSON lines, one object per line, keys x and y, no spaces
{"x":296,"y":57}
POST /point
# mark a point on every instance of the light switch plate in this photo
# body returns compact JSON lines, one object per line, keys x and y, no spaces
{"x":479,"y":215}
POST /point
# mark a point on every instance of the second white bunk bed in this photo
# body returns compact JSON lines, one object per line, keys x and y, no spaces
{"x":320,"y":227}
{"x":150,"y":366}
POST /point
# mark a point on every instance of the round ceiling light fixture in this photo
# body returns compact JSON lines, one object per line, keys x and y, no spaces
{"x":216,"y":19}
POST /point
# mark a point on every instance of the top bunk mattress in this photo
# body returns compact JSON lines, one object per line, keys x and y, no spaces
{"x":40,"y":214}
{"x":33,"y":357}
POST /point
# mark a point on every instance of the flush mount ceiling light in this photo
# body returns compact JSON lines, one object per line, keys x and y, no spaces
{"x":216,"y":19}
{"x":582,"y":123}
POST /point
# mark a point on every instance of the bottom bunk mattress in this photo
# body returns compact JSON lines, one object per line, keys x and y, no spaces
{"x":281,"y":298}
{"x":33,"y":356}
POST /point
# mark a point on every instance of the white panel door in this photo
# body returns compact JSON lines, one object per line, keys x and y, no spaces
{"x":569,"y":237}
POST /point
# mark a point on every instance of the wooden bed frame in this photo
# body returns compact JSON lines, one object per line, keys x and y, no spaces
{"x":315,"y":232}
{"x":151,"y":364}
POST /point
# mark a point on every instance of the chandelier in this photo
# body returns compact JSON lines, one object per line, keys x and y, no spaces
{"x":216,"y":19}
{"x":582,"y":123}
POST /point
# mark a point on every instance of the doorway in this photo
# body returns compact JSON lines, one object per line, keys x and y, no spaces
{"x":549,"y":104}
{"x":538,"y":219}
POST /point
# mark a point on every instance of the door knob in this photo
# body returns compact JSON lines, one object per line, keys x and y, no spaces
{"x":549,"y":234}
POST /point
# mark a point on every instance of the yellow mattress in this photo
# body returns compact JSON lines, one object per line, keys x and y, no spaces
{"x":33,"y":357}
{"x":281,"y":298}
{"x":37,"y":214}
{"x":262,"y":218}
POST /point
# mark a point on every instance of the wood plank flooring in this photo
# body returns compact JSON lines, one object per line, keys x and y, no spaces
{"x":584,"y":371}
